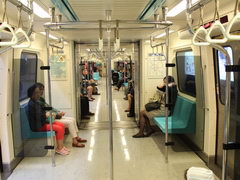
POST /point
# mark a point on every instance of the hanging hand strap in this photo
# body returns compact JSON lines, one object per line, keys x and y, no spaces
{"x":200,"y":30}
{"x":14,"y":39}
{"x":5,"y":25}
{"x":217,"y":25}
{"x":235,"y":20}
{"x":21,"y":31}
{"x":26,"y":45}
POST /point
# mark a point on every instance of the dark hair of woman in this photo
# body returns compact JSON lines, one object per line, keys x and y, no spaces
{"x":170,"y":79}
{"x":39,"y":85}
{"x":31,"y":90}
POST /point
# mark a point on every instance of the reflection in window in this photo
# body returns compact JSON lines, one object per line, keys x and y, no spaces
{"x":221,"y":61}
{"x":28,"y":73}
{"x":186,"y":72}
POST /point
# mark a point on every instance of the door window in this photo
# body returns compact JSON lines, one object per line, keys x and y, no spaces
{"x":28,"y":73}
{"x":186,"y":72}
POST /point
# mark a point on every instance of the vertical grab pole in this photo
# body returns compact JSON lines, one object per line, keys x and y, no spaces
{"x":226,"y":119}
{"x":167,"y":98}
{"x":165,"y":11}
{"x":109,"y":85}
{"x":49,"y":96}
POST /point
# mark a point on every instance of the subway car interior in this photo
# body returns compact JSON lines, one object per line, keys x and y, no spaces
{"x":144,"y":89}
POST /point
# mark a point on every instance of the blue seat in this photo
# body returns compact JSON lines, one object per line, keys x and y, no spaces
{"x":125,"y":84}
{"x":120,"y":75}
{"x":96,"y":76}
{"x":27,"y":133}
{"x":183,"y":119}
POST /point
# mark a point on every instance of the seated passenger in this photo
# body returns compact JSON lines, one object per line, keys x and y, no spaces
{"x":85,"y":107}
{"x":145,"y":116}
{"x":115,"y":77}
{"x":67,"y":121}
{"x":38,"y":119}
{"x":132,"y":104}
{"x":131,"y":108}
{"x":122,"y":80}
{"x":89,"y":85}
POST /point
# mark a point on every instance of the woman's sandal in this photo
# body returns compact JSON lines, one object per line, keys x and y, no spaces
{"x":62,"y":152}
{"x":150,"y":133}
{"x":139,"y":136}
{"x":81,"y":140}
{"x":66,"y":149}
{"x":78,"y":145}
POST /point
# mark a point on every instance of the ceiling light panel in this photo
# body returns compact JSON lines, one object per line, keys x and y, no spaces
{"x":37,"y":9}
{"x":180,"y":7}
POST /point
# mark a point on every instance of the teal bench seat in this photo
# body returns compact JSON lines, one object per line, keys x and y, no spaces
{"x":27,"y":133}
{"x":183,"y":119}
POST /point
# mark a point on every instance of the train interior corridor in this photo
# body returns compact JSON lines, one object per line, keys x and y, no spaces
{"x":119,"y":89}
{"x":133,"y":158}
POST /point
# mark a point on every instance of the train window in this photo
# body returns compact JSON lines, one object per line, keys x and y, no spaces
{"x":186,"y":72}
{"x":28,"y":73}
{"x":221,"y":61}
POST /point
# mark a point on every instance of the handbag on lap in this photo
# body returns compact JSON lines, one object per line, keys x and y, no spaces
{"x":152,"y":106}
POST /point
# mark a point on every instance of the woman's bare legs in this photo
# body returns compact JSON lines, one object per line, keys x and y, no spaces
{"x":59,"y":144}
{"x":129,"y":103}
{"x":142,"y":122}
{"x":90,"y":91}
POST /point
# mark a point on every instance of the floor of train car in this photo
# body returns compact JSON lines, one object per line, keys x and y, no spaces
{"x":135,"y":159}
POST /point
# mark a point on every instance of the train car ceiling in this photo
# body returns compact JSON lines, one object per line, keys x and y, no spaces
{"x":150,"y":9}
{"x":66,"y":9}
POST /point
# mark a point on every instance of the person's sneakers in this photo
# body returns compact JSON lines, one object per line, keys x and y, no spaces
{"x":125,"y":98}
{"x":130,"y":115}
{"x":96,"y":94}
{"x":91,"y":114}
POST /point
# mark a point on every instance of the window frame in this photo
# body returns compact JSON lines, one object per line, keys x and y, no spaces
{"x":177,"y":63}
{"x":35,"y":80}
